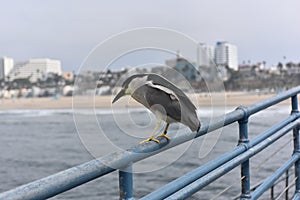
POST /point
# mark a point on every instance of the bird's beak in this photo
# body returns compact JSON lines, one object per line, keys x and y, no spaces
{"x":119,"y":95}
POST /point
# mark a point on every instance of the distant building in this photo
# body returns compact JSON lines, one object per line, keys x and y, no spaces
{"x":205,"y":55}
{"x":34,"y":69}
{"x":186,"y":68}
{"x":6,"y":65}
{"x":226,"y":55}
{"x":245,"y":68}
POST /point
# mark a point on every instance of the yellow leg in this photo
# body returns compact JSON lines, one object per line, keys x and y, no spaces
{"x":151,"y":138}
{"x":165,"y":133}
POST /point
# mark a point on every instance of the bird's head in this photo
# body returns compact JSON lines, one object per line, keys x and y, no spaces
{"x":130,"y":85}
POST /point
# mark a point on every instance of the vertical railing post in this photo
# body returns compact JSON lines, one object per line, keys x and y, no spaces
{"x":126,"y":183}
{"x":296,"y":143}
{"x":272,"y":192}
{"x":245,"y":166}
{"x":294,"y":104}
{"x":287,"y":185}
{"x":297,"y":164}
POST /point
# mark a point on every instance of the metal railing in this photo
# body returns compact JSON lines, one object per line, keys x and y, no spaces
{"x":195,"y":180}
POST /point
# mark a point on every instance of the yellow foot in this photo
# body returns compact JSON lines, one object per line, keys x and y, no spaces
{"x":165,"y":136}
{"x":150,"y":139}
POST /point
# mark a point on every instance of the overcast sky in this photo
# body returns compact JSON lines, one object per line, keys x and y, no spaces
{"x":68,"y":30}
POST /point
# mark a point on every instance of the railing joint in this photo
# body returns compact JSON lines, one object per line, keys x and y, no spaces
{"x":245,"y":111}
{"x":244,"y":143}
{"x":245,"y":196}
{"x":293,"y":112}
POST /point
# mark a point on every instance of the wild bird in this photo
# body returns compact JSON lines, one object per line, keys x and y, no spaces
{"x":166,"y":101}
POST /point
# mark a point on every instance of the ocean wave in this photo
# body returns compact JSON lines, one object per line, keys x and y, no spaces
{"x":206,"y":112}
{"x":35,"y":113}
{"x":50,"y":112}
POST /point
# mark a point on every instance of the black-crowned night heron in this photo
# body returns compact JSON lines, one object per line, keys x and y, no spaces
{"x":161,"y":97}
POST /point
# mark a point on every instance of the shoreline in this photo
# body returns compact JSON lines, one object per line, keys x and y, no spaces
{"x":219,"y":99}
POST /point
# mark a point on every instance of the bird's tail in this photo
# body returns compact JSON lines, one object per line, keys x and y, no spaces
{"x":193,"y":123}
{"x":199,"y":126}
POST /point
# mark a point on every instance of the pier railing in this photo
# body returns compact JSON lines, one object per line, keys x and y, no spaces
{"x":198,"y":178}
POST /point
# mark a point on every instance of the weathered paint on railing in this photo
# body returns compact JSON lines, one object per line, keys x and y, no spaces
{"x":187,"y":184}
{"x":195,"y":174}
{"x":220,"y":171}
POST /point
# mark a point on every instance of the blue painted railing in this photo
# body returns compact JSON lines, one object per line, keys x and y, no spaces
{"x":193,"y":181}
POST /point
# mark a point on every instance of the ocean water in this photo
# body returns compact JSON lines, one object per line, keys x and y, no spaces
{"x":38,"y":143}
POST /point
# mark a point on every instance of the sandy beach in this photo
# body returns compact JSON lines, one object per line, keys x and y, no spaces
{"x":228,"y":99}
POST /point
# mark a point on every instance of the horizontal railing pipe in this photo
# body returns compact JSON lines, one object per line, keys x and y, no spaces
{"x":58,"y":183}
{"x":276,"y":127}
{"x":217,"y":173}
{"x":190,"y":177}
{"x":272,"y":179}
{"x":256,"y":107}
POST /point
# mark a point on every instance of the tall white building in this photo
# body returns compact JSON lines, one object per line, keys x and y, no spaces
{"x":35,"y":69}
{"x":6,"y":65}
{"x":205,"y":55}
{"x":226,"y":55}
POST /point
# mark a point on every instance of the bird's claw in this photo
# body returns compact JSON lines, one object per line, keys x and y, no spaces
{"x":150,"y":139}
{"x":165,"y":136}
{"x":155,"y":139}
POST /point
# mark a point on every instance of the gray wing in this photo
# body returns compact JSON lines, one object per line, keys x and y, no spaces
{"x":155,"y":96}
{"x":159,"y":80}
{"x":172,"y":107}
{"x":188,"y":110}
{"x":181,"y":109}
